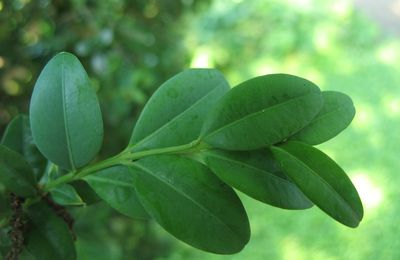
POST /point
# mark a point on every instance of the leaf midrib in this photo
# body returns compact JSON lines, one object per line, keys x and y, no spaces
{"x":264,"y":110}
{"x":188,"y":198}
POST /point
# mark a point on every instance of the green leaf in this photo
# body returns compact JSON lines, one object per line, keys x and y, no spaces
{"x":87,"y":194}
{"x":49,"y":236}
{"x":192,"y":204}
{"x":115,"y":185}
{"x":66,"y":195}
{"x":18,"y":137}
{"x":65,"y":115}
{"x":16,"y":174}
{"x":336,"y":114}
{"x":256,"y":174}
{"x":175,"y":113}
{"x":321,"y":180}
{"x":262,"y":111}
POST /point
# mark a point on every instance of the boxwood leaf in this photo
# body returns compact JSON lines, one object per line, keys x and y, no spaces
{"x":175,"y":113}
{"x":49,"y":236}
{"x":115,"y":185}
{"x":192,"y":204}
{"x":65,"y":115}
{"x":262,"y":111}
{"x":321,"y":180}
{"x":18,"y":137}
{"x":257,"y":174}
{"x":336,"y":114}
{"x":16,"y":174}
{"x":66,"y":195}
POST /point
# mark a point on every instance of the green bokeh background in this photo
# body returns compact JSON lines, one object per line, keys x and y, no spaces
{"x":130,"y":47}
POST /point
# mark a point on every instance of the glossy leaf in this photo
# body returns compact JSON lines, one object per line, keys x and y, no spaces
{"x":66,"y":195}
{"x":262,"y":111}
{"x":49,"y":236}
{"x":187,"y":200}
{"x":16,"y":174}
{"x":65,"y":115}
{"x":18,"y":137}
{"x":321,"y":180}
{"x":88,"y":195}
{"x":175,"y":113}
{"x":336,"y":114}
{"x":115,"y":185}
{"x":256,"y":174}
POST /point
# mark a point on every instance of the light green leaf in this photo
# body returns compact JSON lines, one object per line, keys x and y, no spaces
{"x":336,"y":114}
{"x":49,"y":236}
{"x":66,"y":195}
{"x":192,"y":204}
{"x":115,"y":185}
{"x":18,"y":137}
{"x":321,"y":180}
{"x":65,"y":115}
{"x":16,"y":174}
{"x":175,"y":113}
{"x":257,"y":174}
{"x":262,"y":111}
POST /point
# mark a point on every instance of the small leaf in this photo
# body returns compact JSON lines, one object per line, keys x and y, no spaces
{"x":191,"y":203}
{"x":115,"y":185}
{"x":256,"y":174}
{"x":18,"y":137}
{"x":87,"y":194}
{"x":321,"y":180}
{"x":336,"y":114}
{"x":66,"y":195}
{"x":16,"y":174}
{"x":49,"y":236}
{"x":175,"y":113}
{"x":262,"y":111}
{"x":65,"y":114}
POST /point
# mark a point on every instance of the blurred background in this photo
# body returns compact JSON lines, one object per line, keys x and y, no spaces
{"x":130,"y":47}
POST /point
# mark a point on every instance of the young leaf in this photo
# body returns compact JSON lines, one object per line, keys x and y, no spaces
{"x":262,"y":111}
{"x":321,"y":180}
{"x":192,"y":204}
{"x":256,"y":174}
{"x":66,"y":195}
{"x":88,"y":195}
{"x":18,"y":137}
{"x":16,"y":174}
{"x":65,"y":115}
{"x":336,"y":114}
{"x":49,"y":236}
{"x":115,"y":185}
{"x":175,"y":113}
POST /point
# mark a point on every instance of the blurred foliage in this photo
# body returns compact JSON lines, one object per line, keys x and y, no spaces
{"x":130,"y":47}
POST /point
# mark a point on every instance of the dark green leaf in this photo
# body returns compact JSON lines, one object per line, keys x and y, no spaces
{"x":66,"y":195}
{"x":175,"y":113}
{"x":261,"y":112}
{"x":16,"y":174}
{"x":18,"y":137}
{"x":321,"y":180}
{"x":65,"y":115}
{"x":191,"y":203}
{"x":256,"y":174}
{"x":49,"y":236}
{"x":115,"y":185}
{"x":336,"y":114}
{"x":87,"y":194}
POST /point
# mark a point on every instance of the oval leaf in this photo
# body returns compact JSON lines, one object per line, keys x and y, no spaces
{"x":256,"y":174}
{"x":336,"y":114}
{"x":175,"y":113}
{"x":321,"y":180}
{"x":65,"y":115}
{"x":66,"y":195}
{"x":18,"y":137}
{"x":115,"y":185}
{"x":261,"y":112}
{"x":186,"y":199}
{"x":49,"y":236}
{"x":16,"y":174}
